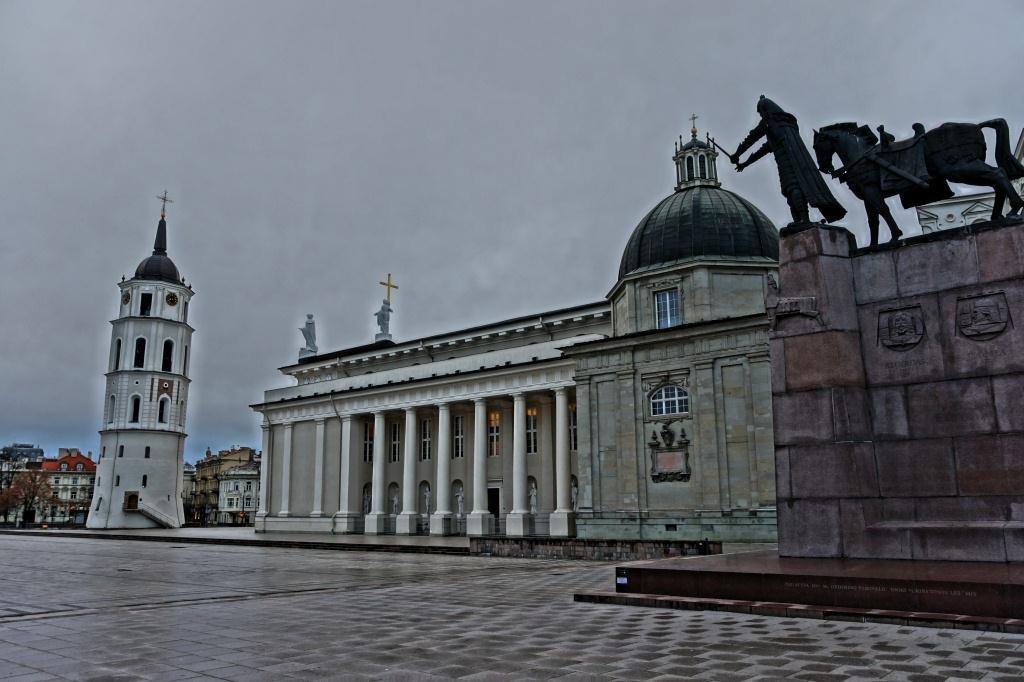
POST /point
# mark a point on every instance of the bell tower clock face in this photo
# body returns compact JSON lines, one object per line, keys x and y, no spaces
{"x":171,"y":298}
{"x":126,"y":298}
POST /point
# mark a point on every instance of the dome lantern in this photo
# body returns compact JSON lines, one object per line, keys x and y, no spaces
{"x":695,"y":160}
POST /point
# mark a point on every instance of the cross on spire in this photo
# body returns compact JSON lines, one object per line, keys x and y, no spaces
{"x":388,"y":285}
{"x":693,"y":125}
{"x":164,"y":199}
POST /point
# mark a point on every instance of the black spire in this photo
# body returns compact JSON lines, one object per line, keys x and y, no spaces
{"x":160,"y":244}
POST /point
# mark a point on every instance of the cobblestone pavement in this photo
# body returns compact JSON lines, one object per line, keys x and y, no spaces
{"x":83,"y":609}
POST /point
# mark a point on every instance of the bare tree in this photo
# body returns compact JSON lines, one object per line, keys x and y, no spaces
{"x":31,"y":490}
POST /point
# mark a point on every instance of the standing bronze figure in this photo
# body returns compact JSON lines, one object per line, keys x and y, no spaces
{"x":802,"y":184}
{"x":917,"y":169}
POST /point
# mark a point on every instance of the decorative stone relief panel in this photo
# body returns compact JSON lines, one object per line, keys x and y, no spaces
{"x":901,"y":329}
{"x":670,"y":453}
{"x":983,"y":317}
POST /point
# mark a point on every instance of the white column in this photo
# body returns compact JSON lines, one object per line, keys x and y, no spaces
{"x":406,"y":522}
{"x":517,"y":523}
{"x":286,"y":470}
{"x":264,"y":470}
{"x":345,"y":518}
{"x":318,"y":470}
{"x":376,"y":520}
{"x":562,"y":520}
{"x":479,"y":520}
{"x":440,"y":521}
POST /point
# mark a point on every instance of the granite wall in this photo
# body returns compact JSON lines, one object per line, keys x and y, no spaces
{"x":898,"y":391}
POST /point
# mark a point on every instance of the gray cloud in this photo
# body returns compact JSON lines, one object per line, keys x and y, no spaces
{"x":493,"y":156}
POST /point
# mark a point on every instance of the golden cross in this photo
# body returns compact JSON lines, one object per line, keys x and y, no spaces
{"x":693,"y":123}
{"x":389,"y":285}
{"x":166,"y":200}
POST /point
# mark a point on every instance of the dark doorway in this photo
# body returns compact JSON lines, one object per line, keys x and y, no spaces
{"x":494,"y":501}
{"x":131,"y":501}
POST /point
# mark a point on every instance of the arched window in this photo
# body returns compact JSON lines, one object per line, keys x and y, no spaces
{"x":140,"y":352}
{"x":165,"y":405}
{"x":668,"y":400}
{"x":184,"y":364}
{"x":79,"y":467}
{"x":136,"y":408}
{"x":168,"y":356}
{"x":703,"y":167}
{"x":117,"y":354}
{"x":110,"y":414}
{"x":689,"y":168}
{"x":63,"y":466}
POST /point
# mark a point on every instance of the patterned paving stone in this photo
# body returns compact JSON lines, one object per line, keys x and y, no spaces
{"x":200,"y":612}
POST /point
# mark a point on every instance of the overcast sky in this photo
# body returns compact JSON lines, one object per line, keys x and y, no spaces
{"x":494,"y":156}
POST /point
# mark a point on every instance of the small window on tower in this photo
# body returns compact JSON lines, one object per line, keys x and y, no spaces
{"x":120,"y":451}
{"x":146,"y":305}
{"x":168,"y":356}
{"x":140,"y":353}
{"x":144,"y":479}
{"x":136,"y":407}
{"x":703,"y":167}
{"x":147,"y":452}
{"x":117,"y":354}
{"x":689,"y":168}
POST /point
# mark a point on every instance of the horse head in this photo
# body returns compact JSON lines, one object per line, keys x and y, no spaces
{"x":848,"y":140}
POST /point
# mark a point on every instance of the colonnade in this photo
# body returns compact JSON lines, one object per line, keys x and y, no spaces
{"x":479,"y":521}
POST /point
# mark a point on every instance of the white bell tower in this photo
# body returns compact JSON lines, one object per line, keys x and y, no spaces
{"x":142,"y":440}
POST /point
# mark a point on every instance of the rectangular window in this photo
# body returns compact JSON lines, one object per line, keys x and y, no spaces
{"x":146,"y":305}
{"x":368,"y":441}
{"x":494,"y":434}
{"x":396,"y":442}
{"x":666,"y":308}
{"x":146,"y":456}
{"x":74,"y":480}
{"x":74,"y":494}
{"x":120,"y":451}
{"x":459,"y":427}
{"x":248,"y":486}
{"x":56,"y":481}
{"x":573,"y":442}
{"x":424,"y":440}
{"x":531,"y":430}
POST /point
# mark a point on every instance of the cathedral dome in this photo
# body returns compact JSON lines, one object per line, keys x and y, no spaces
{"x":699,"y":219}
{"x":159,"y":265}
{"x":703,"y":221}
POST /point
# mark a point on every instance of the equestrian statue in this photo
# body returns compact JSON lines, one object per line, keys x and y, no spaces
{"x":918,"y":169}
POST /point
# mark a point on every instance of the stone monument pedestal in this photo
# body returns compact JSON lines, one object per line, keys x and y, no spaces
{"x":897,"y":382}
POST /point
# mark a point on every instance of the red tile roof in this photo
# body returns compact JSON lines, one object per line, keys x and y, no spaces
{"x":72,"y":461}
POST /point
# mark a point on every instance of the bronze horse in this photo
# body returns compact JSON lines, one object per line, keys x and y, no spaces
{"x":918,"y":169}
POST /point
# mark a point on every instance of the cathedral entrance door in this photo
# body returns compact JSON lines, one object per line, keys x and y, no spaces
{"x":494,"y":501}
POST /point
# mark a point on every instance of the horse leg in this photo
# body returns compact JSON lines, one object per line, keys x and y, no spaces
{"x":875,"y":203}
{"x":997,"y":204}
{"x":872,"y":223}
{"x":894,"y":230}
{"x":977,"y":172}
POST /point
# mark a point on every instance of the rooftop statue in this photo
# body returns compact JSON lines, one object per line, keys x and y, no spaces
{"x":802,"y":184}
{"x":309,"y":335}
{"x":918,"y":168}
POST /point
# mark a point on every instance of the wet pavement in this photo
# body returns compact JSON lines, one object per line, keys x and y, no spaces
{"x":90,"y":609}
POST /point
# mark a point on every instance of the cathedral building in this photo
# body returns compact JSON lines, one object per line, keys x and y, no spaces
{"x":139,"y":471}
{"x":645,"y":415}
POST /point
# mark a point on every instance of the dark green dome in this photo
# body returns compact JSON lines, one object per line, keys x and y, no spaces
{"x":700,"y":222}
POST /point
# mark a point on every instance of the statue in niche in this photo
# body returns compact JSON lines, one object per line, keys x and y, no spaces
{"x":396,"y":504}
{"x":366,"y":502}
{"x":426,"y":500}
{"x":309,"y":334}
{"x":574,"y":493}
{"x":532,"y":493}
{"x":460,"y":502}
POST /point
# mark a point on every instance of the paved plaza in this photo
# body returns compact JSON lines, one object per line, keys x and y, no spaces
{"x":91,"y":609}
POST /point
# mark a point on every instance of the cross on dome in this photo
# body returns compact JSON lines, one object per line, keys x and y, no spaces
{"x":695,"y":160}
